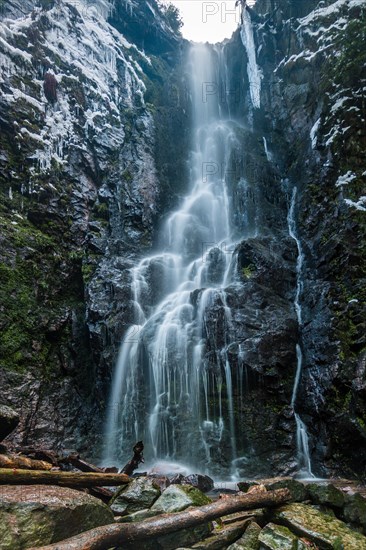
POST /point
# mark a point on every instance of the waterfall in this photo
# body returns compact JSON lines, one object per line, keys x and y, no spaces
{"x":172,"y":386}
{"x":254,"y":72}
{"x":302,"y":439}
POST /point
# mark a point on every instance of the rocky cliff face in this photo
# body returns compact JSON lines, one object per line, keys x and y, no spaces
{"x":95,"y":121}
{"x":80,"y":194}
{"x":314,"y":75}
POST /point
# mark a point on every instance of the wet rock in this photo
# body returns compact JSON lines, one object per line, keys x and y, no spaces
{"x":201,"y":482}
{"x":161,"y":481}
{"x":141,"y":493}
{"x":178,"y":497}
{"x":326,"y":494}
{"x":297,"y":488}
{"x":354,"y":510}
{"x":222,"y":537}
{"x":9,"y":419}
{"x":179,"y":538}
{"x":323,"y":530}
{"x":250,"y":539}
{"x":139,"y":516}
{"x":42,"y":514}
{"x":277,"y":537}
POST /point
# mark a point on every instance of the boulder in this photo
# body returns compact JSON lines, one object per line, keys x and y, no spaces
{"x":9,"y":420}
{"x":140,"y":494}
{"x":277,"y":537}
{"x":178,"y":497}
{"x":326,"y":494}
{"x":42,"y":514}
{"x":201,"y":482}
{"x":138,"y":516}
{"x":298,"y":490}
{"x":161,"y":481}
{"x":250,"y":539}
{"x":354,"y":510}
{"x":184,"y":537}
{"x":322,"y":529}
{"x":222,"y":537}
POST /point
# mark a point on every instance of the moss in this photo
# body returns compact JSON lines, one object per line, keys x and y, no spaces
{"x":198,"y":498}
{"x":248,"y":271}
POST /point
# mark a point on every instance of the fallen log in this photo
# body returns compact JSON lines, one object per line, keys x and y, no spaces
{"x":67,"y":479}
{"x":108,"y":536}
{"x":38,"y":454}
{"x":81,"y":464}
{"x":23,"y":462}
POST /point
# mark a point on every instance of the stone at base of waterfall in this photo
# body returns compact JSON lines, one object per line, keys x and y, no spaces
{"x":277,"y":537}
{"x":355,"y":510}
{"x":37,"y":515}
{"x":201,"y":482}
{"x":322,"y":529}
{"x":222,"y":536}
{"x":297,"y":489}
{"x":326,"y":494}
{"x":138,"y":495}
{"x":141,"y":515}
{"x":184,"y":537}
{"x":250,"y":539}
{"x":9,"y":420}
{"x":179,"y":497}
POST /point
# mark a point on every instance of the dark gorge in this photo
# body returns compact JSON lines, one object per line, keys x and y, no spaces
{"x":182,"y":244}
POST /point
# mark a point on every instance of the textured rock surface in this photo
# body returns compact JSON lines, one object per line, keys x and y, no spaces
{"x":354,"y":511}
{"x":325,"y":494}
{"x":40,"y":515}
{"x":9,"y":419}
{"x":250,"y":539}
{"x":322,"y":529}
{"x":177,"y":498}
{"x":140,"y":494}
{"x":299,"y":491}
{"x":277,"y":537}
{"x":95,"y":120}
{"x":79,"y":188}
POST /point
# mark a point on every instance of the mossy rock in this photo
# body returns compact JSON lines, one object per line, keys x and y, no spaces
{"x":40,"y":515}
{"x":250,"y":539}
{"x":297,"y":489}
{"x":326,"y":494}
{"x":355,"y":510}
{"x":138,"y":495}
{"x":179,"y":497}
{"x":277,"y":537}
{"x":321,"y":529}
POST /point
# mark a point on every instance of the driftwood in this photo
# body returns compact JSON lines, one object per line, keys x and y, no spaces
{"x":38,"y":454}
{"x":108,"y":536}
{"x":67,"y":479}
{"x":136,"y":460}
{"x":15,"y":461}
{"x":80,"y":464}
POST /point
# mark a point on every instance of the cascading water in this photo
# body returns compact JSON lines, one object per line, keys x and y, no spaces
{"x":302,"y":438}
{"x":165,"y":390}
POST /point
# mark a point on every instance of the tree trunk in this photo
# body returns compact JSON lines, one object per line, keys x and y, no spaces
{"x":23,"y":462}
{"x":68,"y":479}
{"x":137,"y":459}
{"x":108,"y":536}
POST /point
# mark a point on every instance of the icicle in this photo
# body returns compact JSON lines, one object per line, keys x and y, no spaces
{"x":254,"y":73}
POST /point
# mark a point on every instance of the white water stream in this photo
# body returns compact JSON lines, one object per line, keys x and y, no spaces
{"x":302,"y":438}
{"x":163,"y":389}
